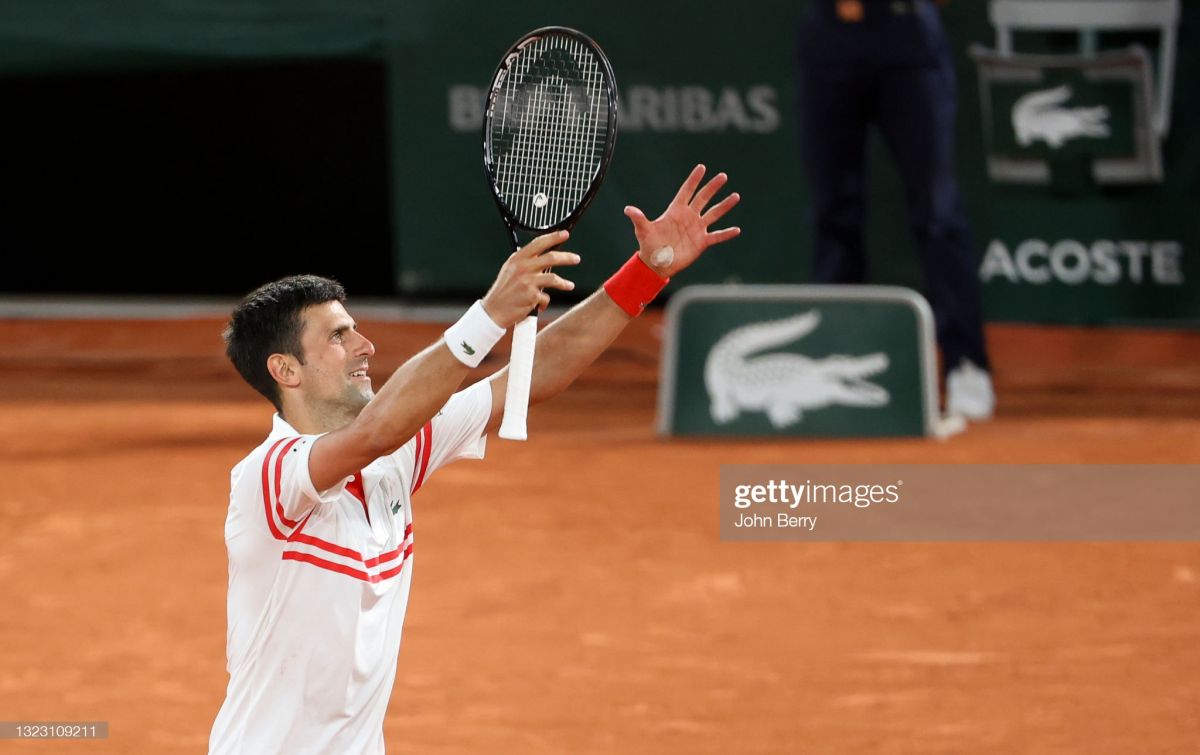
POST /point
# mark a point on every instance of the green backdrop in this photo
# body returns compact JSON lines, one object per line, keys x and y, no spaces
{"x":698,"y":85}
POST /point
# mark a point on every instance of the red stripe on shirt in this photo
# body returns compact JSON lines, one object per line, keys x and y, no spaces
{"x":345,"y":552}
{"x":417,"y":460}
{"x":325,"y":545}
{"x":383,"y":557}
{"x":391,"y":572}
{"x":266,"y":483}
{"x":343,"y":569}
{"x":427,"y":446}
{"x":296,"y":532}
{"x":330,"y":565}
{"x":355,"y":488}
{"x":279,"y":481}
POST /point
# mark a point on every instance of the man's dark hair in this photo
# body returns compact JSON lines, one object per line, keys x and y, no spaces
{"x":269,"y":321}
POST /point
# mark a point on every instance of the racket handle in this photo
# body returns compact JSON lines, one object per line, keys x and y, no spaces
{"x":520,"y":374}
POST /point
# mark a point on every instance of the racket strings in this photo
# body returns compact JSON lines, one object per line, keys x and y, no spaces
{"x":549,"y":129}
{"x":549,"y":171}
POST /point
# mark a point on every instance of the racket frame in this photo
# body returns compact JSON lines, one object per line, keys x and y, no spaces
{"x":498,"y":79}
{"x":516,"y":407}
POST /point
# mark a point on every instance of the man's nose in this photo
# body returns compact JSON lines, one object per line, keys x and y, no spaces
{"x":366,"y":347}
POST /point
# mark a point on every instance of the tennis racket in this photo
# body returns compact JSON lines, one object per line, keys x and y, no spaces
{"x":549,"y":128}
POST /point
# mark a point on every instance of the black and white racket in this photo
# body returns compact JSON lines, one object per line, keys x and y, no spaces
{"x":548,"y":134}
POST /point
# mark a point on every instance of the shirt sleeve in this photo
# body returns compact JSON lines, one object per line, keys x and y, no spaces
{"x":287,"y":491}
{"x":455,"y":433}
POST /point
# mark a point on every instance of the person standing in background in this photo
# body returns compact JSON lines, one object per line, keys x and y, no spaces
{"x":888,"y":63}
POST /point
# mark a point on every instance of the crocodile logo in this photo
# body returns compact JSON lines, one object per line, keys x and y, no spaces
{"x":467,"y":348}
{"x":782,"y":384}
{"x":1041,"y":116}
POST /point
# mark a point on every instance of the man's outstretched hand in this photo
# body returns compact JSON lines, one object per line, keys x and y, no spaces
{"x":677,"y":238}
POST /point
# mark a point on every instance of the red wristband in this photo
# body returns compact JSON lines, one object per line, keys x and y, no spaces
{"x":634,"y":286}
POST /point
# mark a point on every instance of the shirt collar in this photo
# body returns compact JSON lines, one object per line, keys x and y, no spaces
{"x":280,"y":427}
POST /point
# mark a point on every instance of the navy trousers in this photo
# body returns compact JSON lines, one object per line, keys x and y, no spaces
{"x":892,"y":71}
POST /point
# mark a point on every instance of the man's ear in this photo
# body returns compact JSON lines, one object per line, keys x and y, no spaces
{"x":285,"y":369}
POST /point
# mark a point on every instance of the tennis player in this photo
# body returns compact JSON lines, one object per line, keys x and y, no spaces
{"x":320,"y":528}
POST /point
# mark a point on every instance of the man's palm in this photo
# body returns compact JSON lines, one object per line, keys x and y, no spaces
{"x":683,"y":227}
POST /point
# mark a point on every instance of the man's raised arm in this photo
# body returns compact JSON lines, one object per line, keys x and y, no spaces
{"x":421,"y":386}
{"x":666,"y":246}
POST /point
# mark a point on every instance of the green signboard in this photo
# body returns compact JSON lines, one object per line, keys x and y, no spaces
{"x":1050,"y":120}
{"x":851,"y":361}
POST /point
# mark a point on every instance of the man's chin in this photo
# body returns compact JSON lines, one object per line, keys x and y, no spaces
{"x":362,"y":399}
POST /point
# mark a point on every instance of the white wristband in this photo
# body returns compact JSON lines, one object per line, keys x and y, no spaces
{"x":473,"y":336}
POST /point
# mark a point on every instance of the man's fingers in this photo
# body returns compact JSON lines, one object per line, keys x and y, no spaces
{"x":637,"y":217}
{"x":554,"y":259}
{"x":543,"y":301}
{"x":689,"y":186}
{"x":725,"y":234}
{"x":542,"y":243}
{"x":552,"y":280}
{"x":708,"y":191}
{"x":720,"y":208}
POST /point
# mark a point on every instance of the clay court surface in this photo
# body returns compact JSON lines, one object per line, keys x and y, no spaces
{"x":571,"y":594}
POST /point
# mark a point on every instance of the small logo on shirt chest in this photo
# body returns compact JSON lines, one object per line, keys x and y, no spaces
{"x":395,"y":507}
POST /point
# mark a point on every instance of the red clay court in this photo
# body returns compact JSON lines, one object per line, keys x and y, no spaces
{"x":571,"y":593}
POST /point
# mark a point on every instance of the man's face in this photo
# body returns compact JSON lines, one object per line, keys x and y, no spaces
{"x":334,"y":377}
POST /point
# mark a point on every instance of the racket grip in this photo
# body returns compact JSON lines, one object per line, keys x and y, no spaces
{"x":520,"y":374}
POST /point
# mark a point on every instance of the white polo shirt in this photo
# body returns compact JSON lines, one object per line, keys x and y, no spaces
{"x":318,"y":587}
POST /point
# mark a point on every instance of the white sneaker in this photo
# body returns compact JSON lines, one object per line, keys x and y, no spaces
{"x":969,"y":392}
